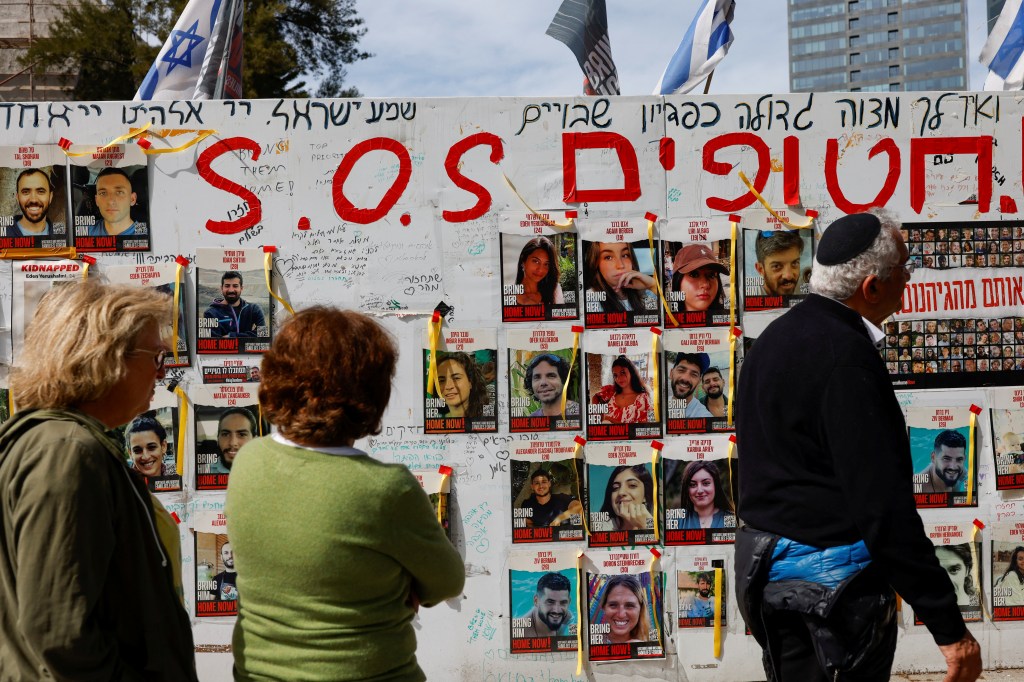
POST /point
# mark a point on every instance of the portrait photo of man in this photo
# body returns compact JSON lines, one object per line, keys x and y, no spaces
{"x":552,"y":612}
{"x":227,"y":589}
{"x":548,"y":508}
{"x":34,"y":194}
{"x":236,"y":427}
{"x":545,"y":377}
{"x":715,"y":399}
{"x":778,"y":262}
{"x":114,"y":201}
{"x":684,"y":377}
{"x":236,"y":318}
{"x":947,"y":469}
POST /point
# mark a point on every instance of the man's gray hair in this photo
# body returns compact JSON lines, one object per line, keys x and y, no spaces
{"x":840,"y":282}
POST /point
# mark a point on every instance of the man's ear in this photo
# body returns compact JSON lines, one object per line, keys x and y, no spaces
{"x":870,"y":288}
{"x":759,"y":268}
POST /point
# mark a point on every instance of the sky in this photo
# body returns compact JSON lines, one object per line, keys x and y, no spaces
{"x":491,"y":48}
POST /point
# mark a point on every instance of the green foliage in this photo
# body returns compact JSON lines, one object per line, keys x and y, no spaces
{"x":107,"y":46}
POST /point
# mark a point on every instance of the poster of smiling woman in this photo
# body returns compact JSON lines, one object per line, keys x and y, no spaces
{"x":625,"y":606}
{"x":461,"y":395}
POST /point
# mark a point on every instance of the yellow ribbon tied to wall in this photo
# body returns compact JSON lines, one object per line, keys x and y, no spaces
{"x":68,"y":252}
{"x":656,"y":447}
{"x":434,"y":336}
{"x":579,"y":612}
{"x":735,"y":333}
{"x":446,"y":472}
{"x":580,"y":442}
{"x":734,"y":225}
{"x":180,"y":264}
{"x":728,"y":456}
{"x":179,"y":462}
{"x":651,"y":218}
{"x":810,"y":214}
{"x":975,"y":411}
{"x":718,"y":612}
{"x":268,"y":265}
{"x":576,"y":331}
{"x":655,"y":373}
{"x":66,"y":144}
{"x":87,"y":260}
{"x":655,"y":576}
{"x":550,"y":223}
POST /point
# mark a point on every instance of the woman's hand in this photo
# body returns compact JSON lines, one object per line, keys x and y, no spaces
{"x":634,"y":515}
{"x":631,"y":279}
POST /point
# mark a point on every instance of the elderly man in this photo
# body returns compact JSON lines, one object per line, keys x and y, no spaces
{"x":827,"y":489}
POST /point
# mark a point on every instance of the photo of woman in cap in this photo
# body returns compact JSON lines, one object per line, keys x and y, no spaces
{"x":697,"y":275}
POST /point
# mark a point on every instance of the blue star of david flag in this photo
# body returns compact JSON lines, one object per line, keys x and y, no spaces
{"x":194,"y":60}
{"x":1003,"y":53}
{"x":704,"y":44}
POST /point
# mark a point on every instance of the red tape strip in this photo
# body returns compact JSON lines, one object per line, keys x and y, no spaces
{"x":732,"y":438}
{"x":177,"y":519}
{"x":436,"y":316}
{"x":86,"y":258}
{"x":657,"y":445}
{"x":975,"y":409}
{"x":737,"y":332}
{"x":733,"y":218}
{"x":143,"y":142}
{"x":656,"y":553}
{"x":580,"y":440}
{"x":182,"y":261}
{"x":64,"y":143}
{"x":979,"y":524}
{"x":653,"y":217}
{"x":577,"y":329}
{"x":571,"y":214}
{"x":811,"y":213}
{"x":270,"y":248}
{"x":655,"y":330}
{"x":444,"y":470}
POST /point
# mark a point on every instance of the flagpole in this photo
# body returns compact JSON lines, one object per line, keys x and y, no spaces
{"x":707,"y":83}
{"x":222,"y":70}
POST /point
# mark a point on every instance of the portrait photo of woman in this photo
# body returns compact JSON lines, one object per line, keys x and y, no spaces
{"x":627,"y":397}
{"x":697,"y":280}
{"x":538,"y":273}
{"x":1010,"y":585}
{"x":614,"y":279}
{"x":628,"y":499}
{"x":704,"y":498}
{"x":145,"y":438}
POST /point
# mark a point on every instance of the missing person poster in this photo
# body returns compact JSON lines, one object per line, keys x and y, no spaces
{"x":543,"y":589}
{"x":696,"y":276}
{"x":695,"y":585}
{"x":110,"y":199}
{"x":238,"y":371}
{"x":699,"y":499}
{"x":539,"y":270}
{"x":33,"y":279}
{"x":437,"y":486}
{"x":1007,"y":436}
{"x":160,"y":276}
{"x":463,"y":396}
{"x":227,"y":417}
{"x":547,"y":491}
{"x":619,"y":288}
{"x":620,"y":386}
{"x":620,"y":494}
{"x":33,"y":197}
{"x":625,"y":606}
{"x":776,"y":267}
{"x":151,"y":442}
{"x":961,"y":559}
{"x":216,"y":578}
{"x":1007,"y":570}
{"x":698,"y":383}
{"x":540,"y":364}
{"x":939,"y":448}
{"x":233,"y":308}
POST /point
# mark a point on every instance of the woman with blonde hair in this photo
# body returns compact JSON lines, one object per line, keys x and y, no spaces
{"x":90,"y":583}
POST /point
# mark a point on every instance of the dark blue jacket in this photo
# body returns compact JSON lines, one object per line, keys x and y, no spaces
{"x":240,"y":322}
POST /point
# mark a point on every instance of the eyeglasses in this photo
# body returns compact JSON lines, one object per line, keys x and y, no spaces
{"x":159,"y":356}
{"x":909,"y":267}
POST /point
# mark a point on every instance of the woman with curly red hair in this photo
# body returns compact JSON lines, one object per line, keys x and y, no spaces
{"x":335,"y":551}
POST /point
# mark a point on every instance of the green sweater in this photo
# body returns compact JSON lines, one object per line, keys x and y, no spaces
{"x":327,"y":548}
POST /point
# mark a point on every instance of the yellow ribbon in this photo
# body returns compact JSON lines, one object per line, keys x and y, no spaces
{"x":434,"y":334}
{"x":133,"y":133}
{"x":538,"y":216}
{"x":85,"y":270}
{"x":728,"y":457}
{"x":655,"y":555}
{"x":655,"y":451}
{"x":970,"y":460}
{"x":655,"y":369}
{"x":732,"y":277}
{"x":732,"y":373}
{"x":179,"y":461}
{"x":572,"y":363}
{"x":718,"y":612}
{"x":810,"y":220}
{"x":268,"y":264}
{"x":179,"y":270}
{"x":441,"y":499}
{"x":200,"y":136}
{"x":657,"y":279}
{"x":579,"y":612}
{"x":579,"y":491}
{"x":68,"y":252}
{"x":259,"y":419}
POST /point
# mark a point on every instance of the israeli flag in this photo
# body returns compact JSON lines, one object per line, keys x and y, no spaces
{"x":178,"y":72}
{"x":1004,"y":49}
{"x":706,"y":41}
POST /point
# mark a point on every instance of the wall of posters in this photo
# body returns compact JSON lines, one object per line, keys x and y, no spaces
{"x":624,"y":607}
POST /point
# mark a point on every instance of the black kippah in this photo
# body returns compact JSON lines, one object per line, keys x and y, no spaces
{"x":847,"y":238}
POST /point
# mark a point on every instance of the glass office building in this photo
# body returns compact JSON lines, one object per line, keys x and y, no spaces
{"x":877,"y":45}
